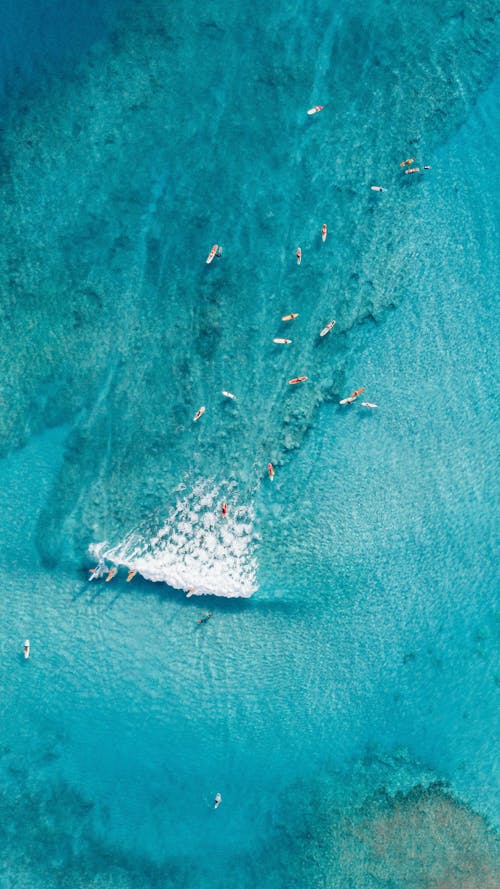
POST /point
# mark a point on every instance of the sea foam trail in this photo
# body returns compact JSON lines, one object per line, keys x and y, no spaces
{"x":195,"y":549}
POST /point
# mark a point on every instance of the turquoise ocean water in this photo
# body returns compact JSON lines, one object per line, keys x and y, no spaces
{"x":343,"y":698}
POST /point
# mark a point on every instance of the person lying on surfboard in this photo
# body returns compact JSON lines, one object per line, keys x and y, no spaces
{"x":290,"y":317}
{"x":328,"y":328}
{"x":352,"y":397}
{"x":270,"y":469}
{"x":212,"y":253}
{"x":298,"y":254}
{"x":199,"y":413}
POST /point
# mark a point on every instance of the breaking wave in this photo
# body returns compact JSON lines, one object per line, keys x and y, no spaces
{"x":195,"y":548}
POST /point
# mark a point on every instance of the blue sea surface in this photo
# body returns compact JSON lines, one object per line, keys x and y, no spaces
{"x":343,"y":696}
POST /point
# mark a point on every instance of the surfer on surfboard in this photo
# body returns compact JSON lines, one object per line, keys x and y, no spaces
{"x":212,"y":253}
{"x":217,"y":800}
{"x":270,"y":469}
{"x":281,"y":340}
{"x":290,"y":317}
{"x":352,"y":397}
{"x":298,"y":254}
{"x":98,"y":571}
{"x":315,"y":109}
{"x":297,"y":380}
{"x":328,"y":328}
{"x":199,"y":413}
{"x":131,"y":574}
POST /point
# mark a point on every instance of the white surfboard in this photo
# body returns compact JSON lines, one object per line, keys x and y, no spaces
{"x":328,"y":328}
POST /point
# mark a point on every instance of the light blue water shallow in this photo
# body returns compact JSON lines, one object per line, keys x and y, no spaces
{"x":327,"y":707}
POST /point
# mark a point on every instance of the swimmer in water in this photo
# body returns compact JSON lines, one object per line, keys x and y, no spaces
{"x":203,"y":620}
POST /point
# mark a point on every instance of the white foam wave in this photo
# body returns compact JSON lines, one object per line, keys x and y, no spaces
{"x":195,"y":549}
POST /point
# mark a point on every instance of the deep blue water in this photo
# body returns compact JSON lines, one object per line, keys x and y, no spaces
{"x":343,"y":698}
